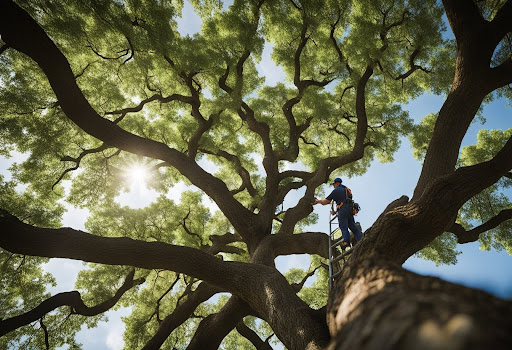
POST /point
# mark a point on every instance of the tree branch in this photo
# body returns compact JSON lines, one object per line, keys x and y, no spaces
{"x":180,"y":314}
{"x":301,"y":243}
{"x":72,"y":299}
{"x":24,"y":35}
{"x":341,"y":57}
{"x":472,"y":235}
{"x":426,"y":217}
{"x":77,"y":161}
{"x":251,"y":335}
{"x":501,"y":75}
{"x":242,"y":172}
{"x":212,"y":330}
{"x":501,"y":23}
{"x":326,"y":166}
{"x":300,"y":285}
{"x":3,"y":48}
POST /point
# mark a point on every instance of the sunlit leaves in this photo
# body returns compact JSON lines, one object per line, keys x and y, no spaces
{"x":492,"y":200}
{"x":420,"y":138}
{"x":441,"y":250}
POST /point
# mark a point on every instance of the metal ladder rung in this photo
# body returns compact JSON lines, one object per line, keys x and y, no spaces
{"x":336,"y":275}
{"x":344,"y":254}
{"x":337,"y":243}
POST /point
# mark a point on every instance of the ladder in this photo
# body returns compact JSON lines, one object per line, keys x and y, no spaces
{"x":337,"y":255}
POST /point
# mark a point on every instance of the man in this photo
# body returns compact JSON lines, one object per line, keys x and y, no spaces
{"x":343,"y":197}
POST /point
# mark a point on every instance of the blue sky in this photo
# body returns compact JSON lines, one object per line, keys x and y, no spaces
{"x":383,"y":183}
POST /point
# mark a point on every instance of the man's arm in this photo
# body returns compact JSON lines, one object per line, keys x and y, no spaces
{"x":324,"y":201}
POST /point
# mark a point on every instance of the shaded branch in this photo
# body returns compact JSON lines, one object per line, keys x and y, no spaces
{"x":72,"y":299}
{"x":501,"y":75}
{"x":413,"y":67}
{"x":242,"y":172}
{"x":251,"y":335}
{"x":301,"y":243}
{"x":77,"y":161}
{"x":501,"y":23}
{"x":472,"y":235}
{"x":298,"y":286}
{"x":181,"y":313}
{"x":46,"y":334}
{"x":212,"y":329}
{"x":3,"y":48}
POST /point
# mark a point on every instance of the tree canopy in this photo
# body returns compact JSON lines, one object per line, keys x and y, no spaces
{"x":91,"y":90}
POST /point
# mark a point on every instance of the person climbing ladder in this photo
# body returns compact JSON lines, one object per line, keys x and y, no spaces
{"x":344,"y":203}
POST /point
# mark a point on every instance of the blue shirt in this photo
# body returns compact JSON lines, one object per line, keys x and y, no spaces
{"x":339,"y":194}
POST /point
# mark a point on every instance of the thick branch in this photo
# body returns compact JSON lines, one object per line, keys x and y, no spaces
{"x":265,"y":281}
{"x":72,"y":299}
{"x":25,"y":35}
{"x":472,"y":235}
{"x":501,"y":75}
{"x":421,"y":220}
{"x":302,"y":243}
{"x":341,"y":57}
{"x":501,"y":23}
{"x":220,"y":244}
{"x":214,"y":328}
{"x":378,"y":305}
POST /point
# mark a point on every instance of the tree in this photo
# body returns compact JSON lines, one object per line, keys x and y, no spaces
{"x":99,"y":86}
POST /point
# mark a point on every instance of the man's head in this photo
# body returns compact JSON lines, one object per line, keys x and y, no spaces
{"x":337,"y":181}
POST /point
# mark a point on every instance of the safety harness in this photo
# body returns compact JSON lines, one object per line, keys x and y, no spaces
{"x":348,"y":198}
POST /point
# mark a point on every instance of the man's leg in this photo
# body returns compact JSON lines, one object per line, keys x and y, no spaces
{"x":343,"y":222}
{"x":353,"y":227}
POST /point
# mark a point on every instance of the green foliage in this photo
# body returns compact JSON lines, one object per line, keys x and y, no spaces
{"x":124,"y":52}
{"x":421,"y":135}
{"x":441,"y":250}
{"x":492,"y":200}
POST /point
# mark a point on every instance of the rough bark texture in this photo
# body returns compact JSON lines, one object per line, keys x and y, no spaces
{"x":379,"y":305}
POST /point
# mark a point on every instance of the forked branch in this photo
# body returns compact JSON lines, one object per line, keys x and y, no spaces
{"x":472,"y":235}
{"x":72,"y":299}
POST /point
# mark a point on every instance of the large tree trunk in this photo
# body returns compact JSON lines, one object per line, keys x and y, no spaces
{"x":379,"y":305}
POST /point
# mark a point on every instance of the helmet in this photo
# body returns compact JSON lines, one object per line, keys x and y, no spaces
{"x":338,"y":179}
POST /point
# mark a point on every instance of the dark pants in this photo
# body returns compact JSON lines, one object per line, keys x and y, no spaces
{"x":346,"y":221}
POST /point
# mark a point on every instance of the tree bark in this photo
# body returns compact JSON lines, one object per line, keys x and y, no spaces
{"x":379,"y":305}
{"x":262,"y":287}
